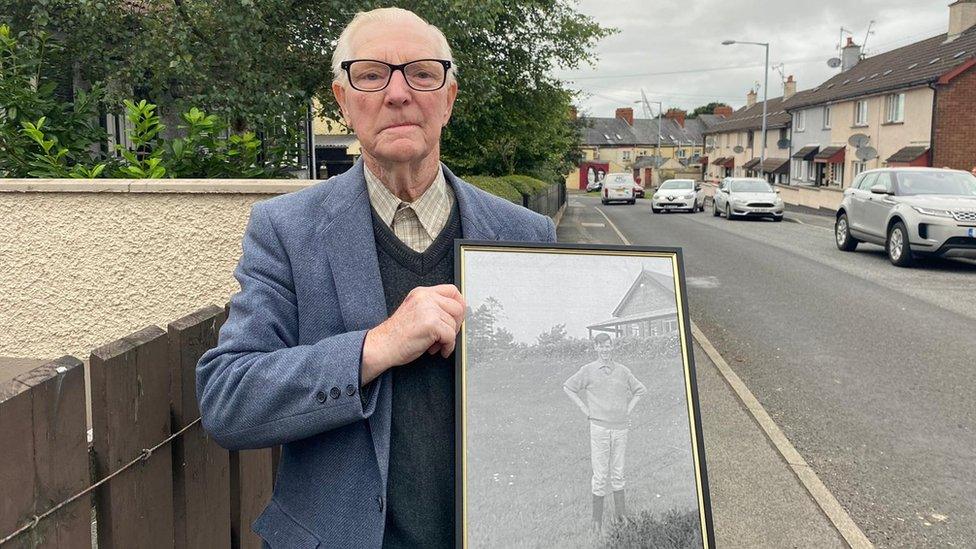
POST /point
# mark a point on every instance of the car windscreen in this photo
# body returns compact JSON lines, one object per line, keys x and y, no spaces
{"x":935,"y":182}
{"x":750,"y":186}
{"x":678,"y":184}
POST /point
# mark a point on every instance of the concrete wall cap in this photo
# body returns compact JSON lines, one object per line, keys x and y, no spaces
{"x":172,"y":186}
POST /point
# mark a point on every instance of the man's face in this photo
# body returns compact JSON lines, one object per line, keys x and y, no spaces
{"x":397,"y":124}
{"x":604,"y":349}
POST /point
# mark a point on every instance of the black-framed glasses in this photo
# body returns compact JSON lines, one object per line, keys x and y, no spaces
{"x":370,"y":75}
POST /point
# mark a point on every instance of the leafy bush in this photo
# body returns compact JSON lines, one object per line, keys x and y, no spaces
{"x":496,"y":186}
{"x":525,"y":184}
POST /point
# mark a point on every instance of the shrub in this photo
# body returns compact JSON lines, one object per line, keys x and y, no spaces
{"x":525,"y":184}
{"x":496,"y":186}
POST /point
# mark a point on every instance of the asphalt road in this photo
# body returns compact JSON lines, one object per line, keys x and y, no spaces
{"x":870,"y":370}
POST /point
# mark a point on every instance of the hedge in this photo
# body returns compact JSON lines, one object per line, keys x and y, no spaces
{"x":525,"y":184}
{"x":509,"y":187}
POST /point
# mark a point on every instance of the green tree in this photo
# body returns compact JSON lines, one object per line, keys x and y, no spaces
{"x":706,"y":109}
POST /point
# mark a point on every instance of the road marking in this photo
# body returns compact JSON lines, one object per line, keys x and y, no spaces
{"x":809,"y":224}
{"x":831,"y":508}
{"x":600,"y":225}
{"x":614,"y":227}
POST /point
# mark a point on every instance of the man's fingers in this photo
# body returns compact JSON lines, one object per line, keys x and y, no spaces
{"x":453,"y":308}
{"x":449,"y":291}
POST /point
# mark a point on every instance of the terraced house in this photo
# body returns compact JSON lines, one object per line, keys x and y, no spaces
{"x":734,"y":147}
{"x":912,"y":106}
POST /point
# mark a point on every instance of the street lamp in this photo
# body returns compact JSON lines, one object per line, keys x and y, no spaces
{"x":762,"y":155}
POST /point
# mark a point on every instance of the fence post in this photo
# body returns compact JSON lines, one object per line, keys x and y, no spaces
{"x":130,"y":384}
{"x":201,"y":468}
{"x":44,"y":455}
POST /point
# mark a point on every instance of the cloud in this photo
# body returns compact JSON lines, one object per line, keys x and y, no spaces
{"x":679,"y":36}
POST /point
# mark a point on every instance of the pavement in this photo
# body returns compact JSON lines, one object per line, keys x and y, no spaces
{"x":866,"y":368}
{"x":757,"y":499}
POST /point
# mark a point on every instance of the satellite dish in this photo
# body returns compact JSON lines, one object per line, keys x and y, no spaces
{"x":738,"y":149}
{"x":859,"y":140}
{"x":866,"y":153}
{"x":783,"y":143}
{"x":709,"y":149}
{"x":834,"y":62}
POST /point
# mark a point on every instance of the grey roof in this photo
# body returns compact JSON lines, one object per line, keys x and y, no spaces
{"x":909,"y":66}
{"x":908,"y":154}
{"x":708,"y":120}
{"x":605,"y":132}
{"x":750,"y":118}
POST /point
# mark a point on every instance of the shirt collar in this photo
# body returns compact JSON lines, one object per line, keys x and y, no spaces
{"x":430,"y":207}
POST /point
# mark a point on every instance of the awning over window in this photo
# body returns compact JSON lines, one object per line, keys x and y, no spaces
{"x":718,"y":161}
{"x":807,"y":153}
{"x":831,"y":155}
{"x":776,"y":165}
{"x":729,"y":162}
{"x":751,"y":164}
{"x":910,"y":156}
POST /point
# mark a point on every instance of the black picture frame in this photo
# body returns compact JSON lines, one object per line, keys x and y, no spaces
{"x":690,"y":389}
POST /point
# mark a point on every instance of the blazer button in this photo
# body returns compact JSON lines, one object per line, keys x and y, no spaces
{"x":320,"y":396}
{"x":350,"y":390}
{"x":335,"y":392}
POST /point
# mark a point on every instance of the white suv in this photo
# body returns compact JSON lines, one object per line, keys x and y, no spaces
{"x":911,"y":212}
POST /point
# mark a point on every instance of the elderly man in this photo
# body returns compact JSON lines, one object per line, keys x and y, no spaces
{"x":340,"y":344}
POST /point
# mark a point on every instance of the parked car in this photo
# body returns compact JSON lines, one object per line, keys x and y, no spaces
{"x":619,"y":187}
{"x":638,"y":188}
{"x":911,"y":212}
{"x":747,"y":197}
{"x":677,"y":195}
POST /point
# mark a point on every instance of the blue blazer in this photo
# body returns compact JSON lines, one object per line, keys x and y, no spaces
{"x":286,"y":367}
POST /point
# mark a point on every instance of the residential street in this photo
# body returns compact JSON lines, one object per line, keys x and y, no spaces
{"x":868,"y":369}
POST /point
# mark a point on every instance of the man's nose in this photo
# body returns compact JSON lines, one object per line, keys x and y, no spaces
{"x":397,"y":91}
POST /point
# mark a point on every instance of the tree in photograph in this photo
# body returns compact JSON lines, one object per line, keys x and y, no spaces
{"x":555,"y":335}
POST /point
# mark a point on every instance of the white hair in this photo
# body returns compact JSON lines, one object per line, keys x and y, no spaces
{"x":343,"y":50}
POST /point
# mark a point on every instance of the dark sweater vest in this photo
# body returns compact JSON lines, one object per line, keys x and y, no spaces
{"x":420,"y":485}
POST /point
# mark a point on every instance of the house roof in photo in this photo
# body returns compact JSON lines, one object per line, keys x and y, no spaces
{"x":665,"y":282}
{"x":910,"y":66}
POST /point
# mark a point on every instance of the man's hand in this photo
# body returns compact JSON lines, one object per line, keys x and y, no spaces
{"x":428,"y":320}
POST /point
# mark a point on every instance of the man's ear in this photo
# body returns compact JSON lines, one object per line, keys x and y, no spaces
{"x":452,"y":91}
{"x":339,"y":91}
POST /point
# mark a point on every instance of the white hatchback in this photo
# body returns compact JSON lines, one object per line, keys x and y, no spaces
{"x":678,"y":195}
{"x":619,"y":187}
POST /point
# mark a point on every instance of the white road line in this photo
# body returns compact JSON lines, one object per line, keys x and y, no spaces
{"x":810,"y":224}
{"x":614,"y":227}
{"x":831,"y":508}
{"x":598,"y":225}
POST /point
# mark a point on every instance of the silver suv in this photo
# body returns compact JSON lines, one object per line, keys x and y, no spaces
{"x":911,"y":212}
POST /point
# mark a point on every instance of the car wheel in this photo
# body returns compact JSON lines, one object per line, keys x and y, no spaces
{"x":842,"y":234}
{"x":604,"y":202}
{"x":898,"y":247}
{"x":655,"y":210}
{"x":632,"y":202}
{"x":714,"y":209}
{"x":728,"y":212}
{"x":777,"y":218}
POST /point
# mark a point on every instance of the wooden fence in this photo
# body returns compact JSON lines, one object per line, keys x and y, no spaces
{"x":149,"y":477}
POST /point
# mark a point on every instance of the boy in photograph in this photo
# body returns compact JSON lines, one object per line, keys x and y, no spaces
{"x":606,"y":392}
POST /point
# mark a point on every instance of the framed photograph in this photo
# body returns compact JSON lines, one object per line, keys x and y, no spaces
{"x":577,"y":410}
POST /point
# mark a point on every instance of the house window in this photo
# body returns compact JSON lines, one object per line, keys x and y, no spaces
{"x":826,"y":117}
{"x":752,"y":138}
{"x":861,"y":113}
{"x":857,"y":168}
{"x":895,"y":108}
{"x":811,"y":171}
{"x":738,"y":139}
{"x":681,"y":153}
{"x":837,"y":175}
{"x":626,"y":155}
{"x":801,"y":121}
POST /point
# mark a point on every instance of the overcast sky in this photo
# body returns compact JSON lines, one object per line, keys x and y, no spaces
{"x":662,"y":36}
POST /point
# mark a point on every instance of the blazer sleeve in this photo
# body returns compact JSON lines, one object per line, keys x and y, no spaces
{"x":258,"y":388}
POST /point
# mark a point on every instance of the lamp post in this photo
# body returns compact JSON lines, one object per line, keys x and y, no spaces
{"x":660,"y":107}
{"x":762,"y":155}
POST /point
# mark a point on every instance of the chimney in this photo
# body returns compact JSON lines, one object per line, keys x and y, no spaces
{"x":962,"y":17}
{"x":677,"y":115}
{"x":850,"y":55}
{"x":789,"y":88}
{"x":724,"y":111}
{"x":627,"y":115}
{"x":573,"y":115}
{"x":751,"y":98}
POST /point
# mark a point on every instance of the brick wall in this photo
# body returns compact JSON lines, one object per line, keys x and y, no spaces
{"x":954,"y":139}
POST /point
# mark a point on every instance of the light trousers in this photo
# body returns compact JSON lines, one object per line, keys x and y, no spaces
{"x":607,"y":448}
